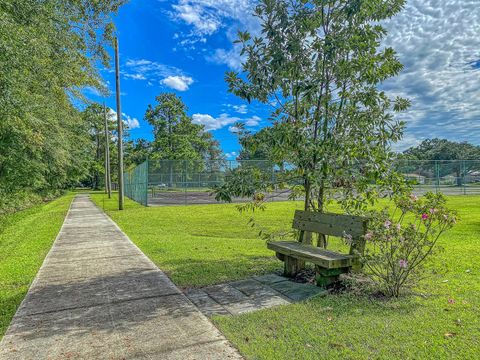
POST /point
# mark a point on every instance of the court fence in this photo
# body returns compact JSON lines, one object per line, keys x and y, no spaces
{"x":182,"y":182}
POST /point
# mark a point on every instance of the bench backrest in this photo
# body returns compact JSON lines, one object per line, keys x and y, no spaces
{"x":330,"y":224}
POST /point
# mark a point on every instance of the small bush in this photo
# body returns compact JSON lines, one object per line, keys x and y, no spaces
{"x":13,"y":202}
{"x":401,"y":242}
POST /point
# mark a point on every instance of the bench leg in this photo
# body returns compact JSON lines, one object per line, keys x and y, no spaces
{"x":293,"y":266}
{"x":327,"y":277}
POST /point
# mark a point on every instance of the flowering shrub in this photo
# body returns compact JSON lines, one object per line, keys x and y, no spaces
{"x":400,"y":241}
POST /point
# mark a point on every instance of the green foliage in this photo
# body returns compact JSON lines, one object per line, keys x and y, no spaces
{"x":318,"y":64}
{"x":94,"y":119}
{"x":244,"y":181}
{"x":401,"y":243}
{"x":176,"y":137}
{"x":136,"y":152}
{"x":48,"y":53}
{"x":442,"y":149}
{"x":256,"y":146}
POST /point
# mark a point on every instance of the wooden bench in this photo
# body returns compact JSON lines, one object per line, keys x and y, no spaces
{"x":329,"y":264}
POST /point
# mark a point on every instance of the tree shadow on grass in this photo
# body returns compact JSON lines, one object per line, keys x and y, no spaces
{"x":203,"y":272}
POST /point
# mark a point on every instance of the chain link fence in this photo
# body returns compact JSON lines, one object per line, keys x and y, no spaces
{"x":136,"y":183}
{"x":183,"y":182}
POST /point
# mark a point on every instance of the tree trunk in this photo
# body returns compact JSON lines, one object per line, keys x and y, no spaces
{"x":305,"y":236}
{"x":322,"y":240}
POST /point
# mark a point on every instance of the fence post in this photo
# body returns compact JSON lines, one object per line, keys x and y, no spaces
{"x":437,"y":174}
{"x":185,"y":180}
{"x":146,"y":181}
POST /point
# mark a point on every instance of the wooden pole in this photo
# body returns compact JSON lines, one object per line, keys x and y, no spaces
{"x":108,"y":178}
{"x":119,"y":130}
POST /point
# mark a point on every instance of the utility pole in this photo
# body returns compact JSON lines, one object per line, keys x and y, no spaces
{"x":108,"y":178}
{"x":119,"y":130}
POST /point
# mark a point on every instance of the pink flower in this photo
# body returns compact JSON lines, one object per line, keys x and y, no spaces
{"x":424,"y":216}
{"x":368,"y":236}
{"x":433,"y":211}
{"x":387,"y":224}
{"x":399,"y":227}
{"x":403,"y":263}
{"x":413,"y":197}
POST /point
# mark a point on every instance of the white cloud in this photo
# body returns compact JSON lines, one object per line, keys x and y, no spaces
{"x":233,"y":129}
{"x":112,"y":115}
{"x":135,"y":76}
{"x":133,"y":123}
{"x":138,"y":62}
{"x":241,"y":109}
{"x":253,"y":121}
{"x":180,"y":83}
{"x":191,"y":12}
{"x":208,"y":16}
{"x":231,"y":155}
{"x":130,"y":122}
{"x":231,"y":57}
{"x":438,"y":42}
{"x":92,"y":90}
{"x":212,"y":123}
{"x":143,"y":69}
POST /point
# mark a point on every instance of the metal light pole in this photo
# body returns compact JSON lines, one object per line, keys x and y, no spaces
{"x":108,"y":178}
{"x":119,"y":130}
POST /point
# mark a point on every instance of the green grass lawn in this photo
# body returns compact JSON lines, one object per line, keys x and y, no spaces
{"x":205,"y":244}
{"x":25,"y":239}
{"x":198,"y":245}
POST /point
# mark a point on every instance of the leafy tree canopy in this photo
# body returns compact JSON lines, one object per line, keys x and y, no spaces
{"x":48,"y":53}
{"x":443,"y":149}
{"x":319,"y":64}
{"x":176,"y":137}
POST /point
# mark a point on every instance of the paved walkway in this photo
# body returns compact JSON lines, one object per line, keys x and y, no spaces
{"x":97,"y":296}
{"x":257,"y":293}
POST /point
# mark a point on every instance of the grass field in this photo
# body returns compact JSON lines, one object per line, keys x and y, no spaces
{"x":25,"y":239}
{"x":205,"y":244}
{"x":197,"y":245}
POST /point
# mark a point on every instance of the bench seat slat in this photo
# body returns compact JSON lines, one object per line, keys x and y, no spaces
{"x":324,"y":258}
{"x":329,"y":223}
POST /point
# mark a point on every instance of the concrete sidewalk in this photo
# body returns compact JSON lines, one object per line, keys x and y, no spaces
{"x":97,"y":296}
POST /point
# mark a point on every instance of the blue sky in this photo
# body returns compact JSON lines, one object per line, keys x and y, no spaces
{"x":185,"y":46}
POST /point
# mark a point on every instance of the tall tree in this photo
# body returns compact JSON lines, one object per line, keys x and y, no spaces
{"x":319,"y":63}
{"x":254,"y":146}
{"x":176,"y":137}
{"x":137,"y":152}
{"x":94,"y":117}
{"x":48,"y":53}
